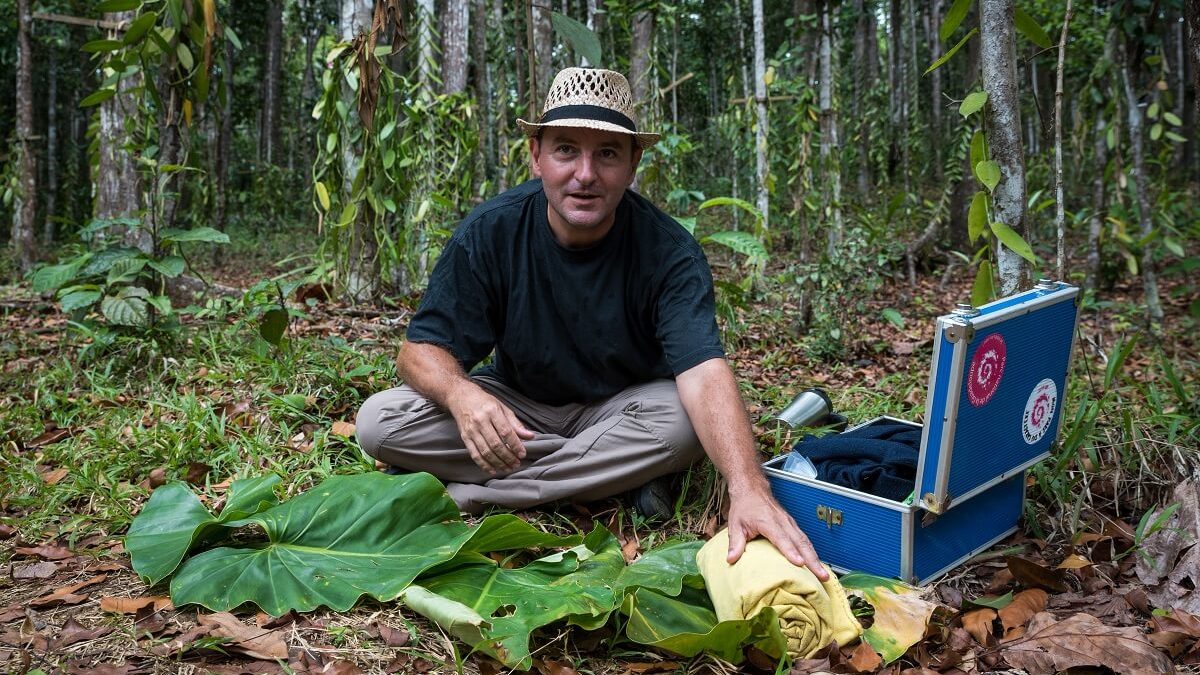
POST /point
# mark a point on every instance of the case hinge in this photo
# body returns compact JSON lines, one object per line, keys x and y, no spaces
{"x":829,"y":516}
{"x":930,"y":502}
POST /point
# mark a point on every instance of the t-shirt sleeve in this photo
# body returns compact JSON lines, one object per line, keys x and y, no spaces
{"x":686,"y":309}
{"x":457,"y":312}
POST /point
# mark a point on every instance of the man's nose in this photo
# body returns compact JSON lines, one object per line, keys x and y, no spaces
{"x":585,"y":170}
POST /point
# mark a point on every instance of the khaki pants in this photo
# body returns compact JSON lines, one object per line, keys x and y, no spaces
{"x":581,"y":452}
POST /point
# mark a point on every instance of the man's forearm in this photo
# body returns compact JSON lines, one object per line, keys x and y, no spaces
{"x":433,"y":371}
{"x":711,"y":398}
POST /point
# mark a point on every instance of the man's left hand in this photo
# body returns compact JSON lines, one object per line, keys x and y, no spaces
{"x":752,"y":515}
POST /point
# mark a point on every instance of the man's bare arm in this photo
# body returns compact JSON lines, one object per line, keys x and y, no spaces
{"x":491,"y":431}
{"x":710,"y":396}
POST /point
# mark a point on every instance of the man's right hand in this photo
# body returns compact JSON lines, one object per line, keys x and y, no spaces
{"x":491,"y":431}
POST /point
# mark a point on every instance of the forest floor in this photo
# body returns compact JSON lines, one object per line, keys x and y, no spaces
{"x":86,"y":438}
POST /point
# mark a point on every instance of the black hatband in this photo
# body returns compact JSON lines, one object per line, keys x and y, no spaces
{"x":588,"y":112}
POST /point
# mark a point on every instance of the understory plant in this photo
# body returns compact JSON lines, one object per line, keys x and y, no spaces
{"x":401,"y":538}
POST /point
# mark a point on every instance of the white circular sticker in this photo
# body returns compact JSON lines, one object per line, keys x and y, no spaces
{"x":1039,"y":410}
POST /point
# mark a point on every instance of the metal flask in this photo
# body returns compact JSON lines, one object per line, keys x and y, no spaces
{"x":809,"y":408}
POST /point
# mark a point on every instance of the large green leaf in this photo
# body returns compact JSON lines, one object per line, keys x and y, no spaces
{"x":953,"y":50}
{"x":174,"y":520}
{"x":901,"y":616}
{"x":977,"y":217}
{"x":137,"y":30}
{"x":368,"y":534}
{"x":579,"y":36}
{"x":667,"y":569}
{"x":53,"y":277}
{"x":127,"y":308}
{"x":196,"y":234}
{"x":973,"y":103}
{"x":984,"y":289}
{"x":988,"y":173}
{"x":79,"y":298}
{"x":103,"y":260}
{"x":954,"y":17}
{"x":742,"y":242}
{"x":1014,"y":241}
{"x":576,"y":584}
{"x":978,"y":148}
{"x":687,"y":626}
{"x":1031,"y":29}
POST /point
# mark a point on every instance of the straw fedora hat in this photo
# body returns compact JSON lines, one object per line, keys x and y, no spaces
{"x":590,"y":98}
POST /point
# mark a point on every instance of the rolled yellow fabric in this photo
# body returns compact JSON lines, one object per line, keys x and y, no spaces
{"x":811,"y":613}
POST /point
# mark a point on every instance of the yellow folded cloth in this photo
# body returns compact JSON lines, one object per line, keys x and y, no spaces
{"x":811,"y":613}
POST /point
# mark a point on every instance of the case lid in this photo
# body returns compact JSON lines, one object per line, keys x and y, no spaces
{"x":996,"y":392}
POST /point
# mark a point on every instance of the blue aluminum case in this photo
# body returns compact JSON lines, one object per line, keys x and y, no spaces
{"x":993,"y":409}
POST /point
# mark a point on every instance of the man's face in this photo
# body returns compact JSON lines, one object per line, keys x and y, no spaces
{"x":584,"y":173}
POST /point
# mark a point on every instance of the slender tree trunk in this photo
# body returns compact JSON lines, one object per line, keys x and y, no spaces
{"x":965,"y":188}
{"x":426,"y":58}
{"x":830,"y":160}
{"x":741,"y":33}
{"x":171,"y":151}
{"x":49,"y":227}
{"x":935,"y":91}
{"x":455,"y":37}
{"x":268,"y":132}
{"x":1192,"y":12}
{"x":483,"y":89}
{"x":25,"y":198}
{"x":1099,"y":192}
{"x":1060,"y":216}
{"x":859,"y":59}
{"x":530,"y":76}
{"x":543,"y":41}
{"x":118,"y":193}
{"x":1141,"y":187}
{"x":501,"y":90}
{"x":641,"y":65}
{"x":224,"y":151}
{"x":760,"y":98}
{"x":362,"y":278}
{"x":999,"y":57}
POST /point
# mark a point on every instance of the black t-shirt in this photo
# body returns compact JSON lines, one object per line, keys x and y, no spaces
{"x":570,"y":325}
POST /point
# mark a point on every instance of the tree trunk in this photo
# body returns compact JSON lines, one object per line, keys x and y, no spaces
{"x":935,"y":91}
{"x":1141,"y":187}
{"x":760,"y":99}
{"x":25,"y":197}
{"x":455,"y":38}
{"x":862,"y":85}
{"x":641,"y":66}
{"x":830,"y":159}
{"x":483,"y":90}
{"x":224,"y":152}
{"x":426,"y":58}
{"x":171,"y":151}
{"x":49,"y":226}
{"x":741,"y":33}
{"x":1192,"y":11}
{"x":998,"y":55}
{"x":1099,"y":192}
{"x":965,"y":188}
{"x":1060,"y":216}
{"x":543,"y":40}
{"x":118,"y":193}
{"x":362,"y":277}
{"x":268,"y":132}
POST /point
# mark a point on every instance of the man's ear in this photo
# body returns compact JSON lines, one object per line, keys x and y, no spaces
{"x":635,"y":161}
{"x":535,"y":152}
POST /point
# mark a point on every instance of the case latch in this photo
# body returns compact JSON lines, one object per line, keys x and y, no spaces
{"x":930,"y":502}
{"x":829,"y":516}
{"x":962,"y":328}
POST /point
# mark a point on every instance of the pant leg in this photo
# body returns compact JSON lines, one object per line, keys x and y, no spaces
{"x":402,"y":428}
{"x":612,"y":446}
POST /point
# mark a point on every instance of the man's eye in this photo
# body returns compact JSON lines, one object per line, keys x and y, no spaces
{"x":565,"y":149}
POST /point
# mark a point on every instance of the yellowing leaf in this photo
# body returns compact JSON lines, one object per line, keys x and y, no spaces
{"x":341,"y":428}
{"x":1074,"y":562}
{"x":901,"y":616}
{"x":322,"y":195}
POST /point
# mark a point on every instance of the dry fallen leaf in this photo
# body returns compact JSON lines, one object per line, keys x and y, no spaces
{"x":45,"y":551}
{"x":1030,"y":573}
{"x":341,"y":428}
{"x":552,"y":667}
{"x":1178,"y":621}
{"x":51,"y":437}
{"x":864,"y":659}
{"x":6,"y":531}
{"x":38,"y":570}
{"x":1052,"y":646}
{"x":132,"y":605}
{"x":1022,"y":608}
{"x":393,"y":637}
{"x":55,"y":476}
{"x":978,"y":622}
{"x":1074,"y":562}
{"x":72,"y":633}
{"x":66,"y":595}
{"x":252,"y":641}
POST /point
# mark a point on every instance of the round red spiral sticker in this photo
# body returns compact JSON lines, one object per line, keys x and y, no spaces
{"x":987,"y":367}
{"x":1039,"y":411}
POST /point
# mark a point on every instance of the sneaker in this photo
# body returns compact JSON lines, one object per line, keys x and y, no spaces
{"x":654,"y":500}
{"x":393,"y":470}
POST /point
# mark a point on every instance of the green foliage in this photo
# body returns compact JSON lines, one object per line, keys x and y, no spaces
{"x":398,"y":186}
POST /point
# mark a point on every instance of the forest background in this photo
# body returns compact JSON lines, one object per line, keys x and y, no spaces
{"x":222,"y":214}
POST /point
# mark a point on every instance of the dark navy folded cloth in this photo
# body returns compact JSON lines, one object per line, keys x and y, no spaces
{"x":879,"y":459}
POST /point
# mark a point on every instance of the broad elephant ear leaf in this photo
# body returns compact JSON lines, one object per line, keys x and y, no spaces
{"x":368,"y":534}
{"x":686,"y":625}
{"x":667,"y":569}
{"x":174,"y":520}
{"x":576,"y":585}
